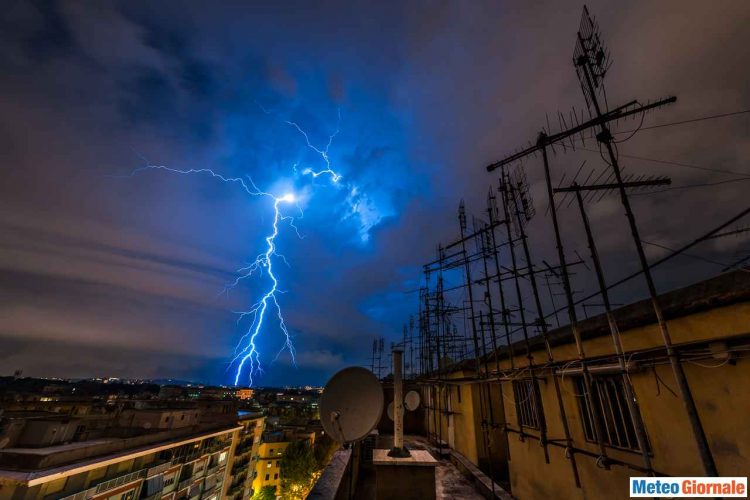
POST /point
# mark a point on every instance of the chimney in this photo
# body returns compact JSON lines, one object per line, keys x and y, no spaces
{"x":398,"y":450}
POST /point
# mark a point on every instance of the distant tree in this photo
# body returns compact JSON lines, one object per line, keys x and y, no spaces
{"x":266,"y":493}
{"x":324,"y":449}
{"x":298,"y":470}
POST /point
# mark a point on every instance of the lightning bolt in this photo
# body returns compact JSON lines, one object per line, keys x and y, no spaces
{"x":335,"y":177}
{"x":246,"y":353}
{"x":361,"y":207}
{"x":250,"y":352}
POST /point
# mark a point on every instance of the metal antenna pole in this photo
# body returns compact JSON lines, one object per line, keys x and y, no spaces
{"x":707,"y":460}
{"x":522,"y":312}
{"x":571,"y":306}
{"x":488,"y":300}
{"x":477,"y":354}
{"x":505,"y":314}
{"x":640,"y":432}
{"x":439,"y":308}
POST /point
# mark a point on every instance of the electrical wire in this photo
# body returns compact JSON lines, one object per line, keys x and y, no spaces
{"x":672,"y":124}
{"x":658,"y":262}
{"x":710,"y":366}
{"x":635,"y":131}
{"x":683,"y":122}
{"x":675,"y":163}
{"x":698,"y":257}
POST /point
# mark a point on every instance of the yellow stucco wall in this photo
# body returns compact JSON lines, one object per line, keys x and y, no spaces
{"x":720,"y":392}
{"x":462,"y":401}
{"x":268,"y":453}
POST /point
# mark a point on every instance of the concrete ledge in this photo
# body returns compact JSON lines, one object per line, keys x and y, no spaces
{"x":329,"y":483}
{"x":417,"y":458}
{"x":481,"y":481}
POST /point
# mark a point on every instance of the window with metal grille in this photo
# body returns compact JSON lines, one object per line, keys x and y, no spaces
{"x":608,"y":394}
{"x":528,"y":409}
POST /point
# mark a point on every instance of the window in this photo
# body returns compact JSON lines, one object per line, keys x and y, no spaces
{"x":269,"y":464}
{"x":276,"y":476}
{"x":458,"y":393}
{"x":278,"y":463}
{"x":528,"y":407}
{"x":267,"y":476}
{"x":608,"y":394}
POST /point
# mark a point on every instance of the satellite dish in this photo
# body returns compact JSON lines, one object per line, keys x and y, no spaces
{"x":389,"y":411}
{"x":412,"y":400}
{"x":351,"y":404}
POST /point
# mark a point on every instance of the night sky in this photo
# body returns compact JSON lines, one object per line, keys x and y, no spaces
{"x":107,"y":274}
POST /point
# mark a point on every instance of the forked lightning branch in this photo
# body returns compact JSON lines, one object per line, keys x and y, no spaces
{"x":247,"y":356}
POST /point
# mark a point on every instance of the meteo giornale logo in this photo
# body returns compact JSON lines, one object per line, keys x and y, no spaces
{"x":688,"y":487}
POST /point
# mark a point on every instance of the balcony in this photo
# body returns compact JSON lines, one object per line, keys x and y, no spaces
{"x":239,"y":469}
{"x":188,"y":458}
{"x":195,"y":491}
{"x":244,"y":447}
{"x":82,"y":495}
{"x":119,"y":481}
{"x":213,"y":448}
{"x":159,"y":469}
{"x":236,"y":489}
{"x":184,"y":484}
{"x":207,"y":491}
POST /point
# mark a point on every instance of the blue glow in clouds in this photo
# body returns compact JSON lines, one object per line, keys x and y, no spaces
{"x":247,"y":357}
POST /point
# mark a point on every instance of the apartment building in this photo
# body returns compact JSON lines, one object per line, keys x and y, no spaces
{"x":147,"y":453}
{"x":270,"y":452}
{"x":242,"y":472}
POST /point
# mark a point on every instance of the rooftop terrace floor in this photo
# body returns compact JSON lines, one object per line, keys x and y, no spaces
{"x":449,"y":482}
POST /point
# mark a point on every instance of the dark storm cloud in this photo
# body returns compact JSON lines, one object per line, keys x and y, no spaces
{"x":149,"y":96}
{"x":51,"y":37}
{"x":107,"y":275}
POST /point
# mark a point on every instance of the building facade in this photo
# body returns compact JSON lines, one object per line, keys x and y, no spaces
{"x":268,"y":465}
{"x":534,"y":423}
{"x":242,"y":472}
{"x":270,"y":452}
{"x":190,"y":467}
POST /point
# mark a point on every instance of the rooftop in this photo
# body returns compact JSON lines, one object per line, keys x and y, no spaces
{"x":723,"y":290}
{"x":33,"y":465}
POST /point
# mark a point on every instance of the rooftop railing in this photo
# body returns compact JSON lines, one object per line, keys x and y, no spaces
{"x":119,"y":481}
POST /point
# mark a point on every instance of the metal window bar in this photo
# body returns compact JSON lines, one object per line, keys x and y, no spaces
{"x":527,"y":404}
{"x":608,"y":394}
